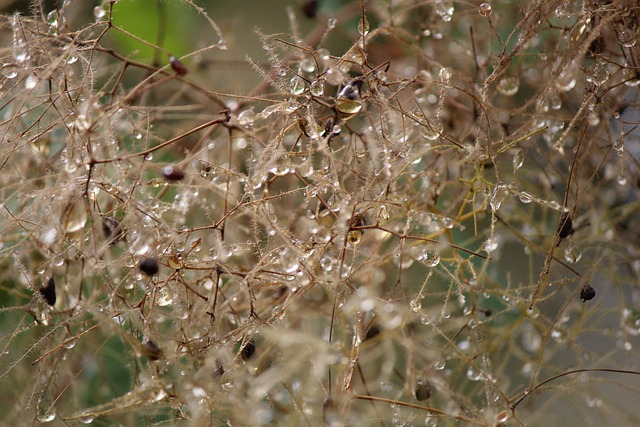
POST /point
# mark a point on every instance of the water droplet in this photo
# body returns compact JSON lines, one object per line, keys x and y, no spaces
{"x":621,"y":179}
{"x":498,"y":197}
{"x":508,"y":86}
{"x":599,"y":74}
{"x":627,"y":37}
{"x":485,"y":10}
{"x":502,"y":416}
{"x":317,"y":88}
{"x":30,"y":82}
{"x":297,"y":86}
{"x":431,"y":130}
{"x":74,"y":216}
{"x":618,"y":145}
{"x":99,"y":13}
{"x":331,"y":23}
{"x":430,"y":258}
{"x":491,"y":244}
{"x":572,"y":254}
{"x":473,"y":374}
{"x":439,"y":364}
{"x":88,"y":419}
{"x":525,"y":197}
{"x":354,"y":237}
{"x":363,"y":26}
{"x":444,"y":9}
{"x":518,"y":160}
{"x":9,"y":71}
{"x":415,"y":305}
{"x":445,"y":74}
{"x":247,"y":117}
{"x":164,"y":296}
{"x":566,"y":81}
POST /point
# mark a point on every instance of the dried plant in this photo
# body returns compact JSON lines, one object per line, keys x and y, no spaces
{"x":423,"y":213}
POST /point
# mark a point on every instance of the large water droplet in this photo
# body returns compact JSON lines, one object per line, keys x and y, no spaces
{"x":499,"y":195}
{"x":509,"y":86}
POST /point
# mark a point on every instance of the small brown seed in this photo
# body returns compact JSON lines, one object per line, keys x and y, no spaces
{"x":587,"y":293}
{"x":48,"y":291}
{"x":172,"y":173}
{"x":149,"y":266}
{"x":423,"y":389}
{"x":177,"y":66}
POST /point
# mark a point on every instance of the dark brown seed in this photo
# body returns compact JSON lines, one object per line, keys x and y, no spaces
{"x":423,"y":389}
{"x":177,"y":66}
{"x":310,"y":8}
{"x":372,"y":332}
{"x":587,"y":293}
{"x":351,"y":90}
{"x":172,"y":173}
{"x":565,"y":227}
{"x":149,"y":266}
{"x":248,"y":350}
{"x":111,"y":230}
{"x":48,"y":291}
{"x":151,"y":350}
{"x":331,"y":127}
{"x":487,"y":312}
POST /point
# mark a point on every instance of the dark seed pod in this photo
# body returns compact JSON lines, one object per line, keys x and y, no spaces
{"x":565,"y":227}
{"x":149,"y":266}
{"x":172,"y":173}
{"x":310,"y":8}
{"x":587,"y":293}
{"x":373,"y":332}
{"x":177,"y":66}
{"x":423,"y":389}
{"x":112,"y":230}
{"x":48,"y":291}
{"x":248,"y":350}
{"x":487,"y":312}
{"x":151,"y":350}
{"x":331,"y":128}
{"x":351,"y":90}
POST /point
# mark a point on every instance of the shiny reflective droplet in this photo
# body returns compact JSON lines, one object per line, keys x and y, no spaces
{"x":247,"y":117}
{"x":317,"y":88}
{"x":508,"y":86}
{"x":363,"y":26}
{"x":485,"y":10}
{"x":491,"y":244}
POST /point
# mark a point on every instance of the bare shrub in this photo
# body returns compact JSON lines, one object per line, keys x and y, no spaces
{"x":424,"y":213}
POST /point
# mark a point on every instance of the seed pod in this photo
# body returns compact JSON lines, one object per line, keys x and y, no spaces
{"x":587,"y":292}
{"x":372,"y":332}
{"x":149,"y":266}
{"x":48,"y":291}
{"x":177,"y":66}
{"x":565,"y":227}
{"x":310,"y":8}
{"x":423,"y":389}
{"x":248,"y":350}
{"x":331,"y":128}
{"x":151,"y":350}
{"x":172,"y":173}
{"x":112,"y":230}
